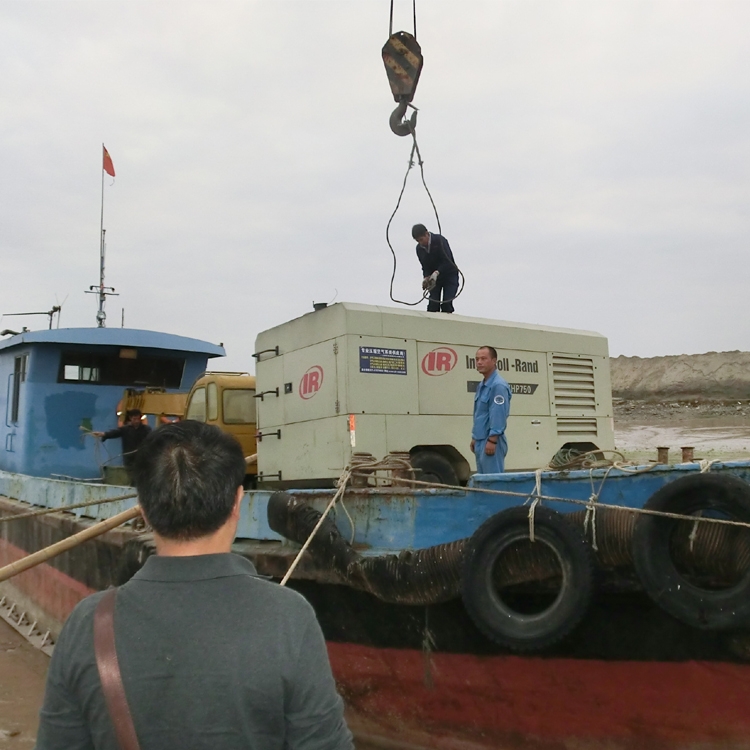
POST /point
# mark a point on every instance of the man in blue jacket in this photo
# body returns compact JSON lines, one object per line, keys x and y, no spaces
{"x":491,"y":409}
{"x":439,"y":270}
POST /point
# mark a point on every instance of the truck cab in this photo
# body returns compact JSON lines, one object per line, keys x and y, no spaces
{"x":227,"y":400}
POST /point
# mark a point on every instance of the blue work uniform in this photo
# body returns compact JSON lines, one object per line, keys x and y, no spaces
{"x":491,"y":409}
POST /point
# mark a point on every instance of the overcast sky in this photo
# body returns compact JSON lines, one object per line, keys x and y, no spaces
{"x":589,"y":160}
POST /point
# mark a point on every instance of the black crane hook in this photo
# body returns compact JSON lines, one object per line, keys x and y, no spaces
{"x":402,"y":57}
{"x":400,"y":124}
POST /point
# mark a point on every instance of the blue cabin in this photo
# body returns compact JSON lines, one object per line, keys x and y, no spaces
{"x":58,"y":385}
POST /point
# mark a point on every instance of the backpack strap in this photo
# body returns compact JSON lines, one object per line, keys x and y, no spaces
{"x":109,"y":672}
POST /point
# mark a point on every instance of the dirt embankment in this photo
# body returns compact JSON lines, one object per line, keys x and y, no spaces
{"x":714,"y":377}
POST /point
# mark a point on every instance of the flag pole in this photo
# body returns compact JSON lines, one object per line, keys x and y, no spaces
{"x":100,"y":290}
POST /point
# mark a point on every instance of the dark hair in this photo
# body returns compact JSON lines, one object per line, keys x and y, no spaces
{"x":133,"y":413}
{"x":418,"y":230}
{"x":491,"y":350}
{"x":187,"y":475}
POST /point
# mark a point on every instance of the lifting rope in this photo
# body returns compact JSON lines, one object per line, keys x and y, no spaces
{"x":402,"y":57}
{"x":426,"y":293}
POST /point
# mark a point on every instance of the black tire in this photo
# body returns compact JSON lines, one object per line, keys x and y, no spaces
{"x":434,"y":468}
{"x":575,"y":563}
{"x":703,"y":608}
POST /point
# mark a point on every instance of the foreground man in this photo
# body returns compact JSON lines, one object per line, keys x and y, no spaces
{"x":491,"y":409}
{"x":211,"y":655}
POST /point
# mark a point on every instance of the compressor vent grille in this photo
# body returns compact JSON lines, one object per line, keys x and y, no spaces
{"x":573,"y":380}
{"x":567,"y":426}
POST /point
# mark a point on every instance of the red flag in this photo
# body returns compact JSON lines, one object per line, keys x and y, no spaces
{"x":107,"y":165}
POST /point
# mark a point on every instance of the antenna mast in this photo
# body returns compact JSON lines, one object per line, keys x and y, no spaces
{"x":101,"y":290}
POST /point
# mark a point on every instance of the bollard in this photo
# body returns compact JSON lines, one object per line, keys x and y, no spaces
{"x":360,"y":463}
{"x":687,"y":454}
{"x":662,"y":455}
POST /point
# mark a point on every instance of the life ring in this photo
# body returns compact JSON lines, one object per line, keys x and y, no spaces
{"x":500,"y":552}
{"x":656,"y":541}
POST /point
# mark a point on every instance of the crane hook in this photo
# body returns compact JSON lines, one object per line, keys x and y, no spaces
{"x":402,"y":57}
{"x":400,"y":124}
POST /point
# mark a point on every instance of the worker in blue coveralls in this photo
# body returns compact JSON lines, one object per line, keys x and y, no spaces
{"x":491,"y":409}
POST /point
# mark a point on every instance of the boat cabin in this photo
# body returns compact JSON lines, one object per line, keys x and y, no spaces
{"x":57,"y":386}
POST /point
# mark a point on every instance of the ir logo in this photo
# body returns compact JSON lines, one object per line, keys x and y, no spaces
{"x":311,"y":382}
{"x":439,"y":361}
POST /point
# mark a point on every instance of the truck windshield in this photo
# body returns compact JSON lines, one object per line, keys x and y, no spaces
{"x":239,"y":406}
{"x":197,"y":407}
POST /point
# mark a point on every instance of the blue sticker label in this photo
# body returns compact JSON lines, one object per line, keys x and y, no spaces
{"x":499,"y":400}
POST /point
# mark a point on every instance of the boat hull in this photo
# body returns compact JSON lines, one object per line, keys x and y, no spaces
{"x":457,"y":695}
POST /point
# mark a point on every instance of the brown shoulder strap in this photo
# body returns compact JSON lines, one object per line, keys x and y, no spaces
{"x":109,"y":672}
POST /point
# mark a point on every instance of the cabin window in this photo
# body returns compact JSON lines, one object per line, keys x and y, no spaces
{"x":19,"y":376}
{"x":116,"y":369}
{"x":239,"y":406}
{"x":197,"y":407}
{"x":212,"y":402}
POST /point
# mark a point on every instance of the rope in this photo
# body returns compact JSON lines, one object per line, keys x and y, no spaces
{"x":343,"y":481}
{"x":694,"y":532}
{"x":532,"y":508}
{"x":426,"y":293}
{"x":573,"y":501}
{"x":351,"y":522}
{"x":45,"y":511}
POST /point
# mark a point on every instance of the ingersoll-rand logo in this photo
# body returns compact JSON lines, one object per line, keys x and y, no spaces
{"x":311,"y":382}
{"x":439,"y":361}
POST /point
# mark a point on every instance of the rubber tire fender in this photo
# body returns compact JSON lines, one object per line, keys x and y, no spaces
{"x":705,"y":609}
{"x":500,"y":623}
{"x":434,"y":468}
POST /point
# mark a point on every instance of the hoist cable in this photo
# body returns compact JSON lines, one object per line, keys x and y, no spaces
{"x":426,"y":293}
{"x":414,"y":14}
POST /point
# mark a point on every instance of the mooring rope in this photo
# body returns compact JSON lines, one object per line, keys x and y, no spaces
{"x":343,"y":481}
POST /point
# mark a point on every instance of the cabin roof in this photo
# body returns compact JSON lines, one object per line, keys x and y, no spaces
{"x":131,"y":337}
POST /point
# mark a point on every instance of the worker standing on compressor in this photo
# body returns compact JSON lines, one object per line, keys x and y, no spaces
{"x":439,"y":270}
{"x":491,"y":409}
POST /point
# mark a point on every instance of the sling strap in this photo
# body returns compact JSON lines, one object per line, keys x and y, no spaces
{"x":109,"y":672}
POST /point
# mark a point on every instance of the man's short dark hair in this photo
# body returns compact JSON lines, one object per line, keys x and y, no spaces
{"x":133,"y":413}
{"x":491,"y":350}
{"x":187,"y":475}
{"x":419,"y":230}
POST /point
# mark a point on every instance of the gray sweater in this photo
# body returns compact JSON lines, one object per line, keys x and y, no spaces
{"x":211,"y":655}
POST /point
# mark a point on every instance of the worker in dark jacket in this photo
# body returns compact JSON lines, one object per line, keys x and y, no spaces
{"x":132,"y":434}
{"x":439,"y":270}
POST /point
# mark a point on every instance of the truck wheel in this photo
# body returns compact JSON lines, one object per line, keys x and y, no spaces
{"x":432,"y":467}
{"x":706,"y":596}
{"x":527,"y":595}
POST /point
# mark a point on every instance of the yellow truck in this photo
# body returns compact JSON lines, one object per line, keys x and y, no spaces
{"x":227,"y":400}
